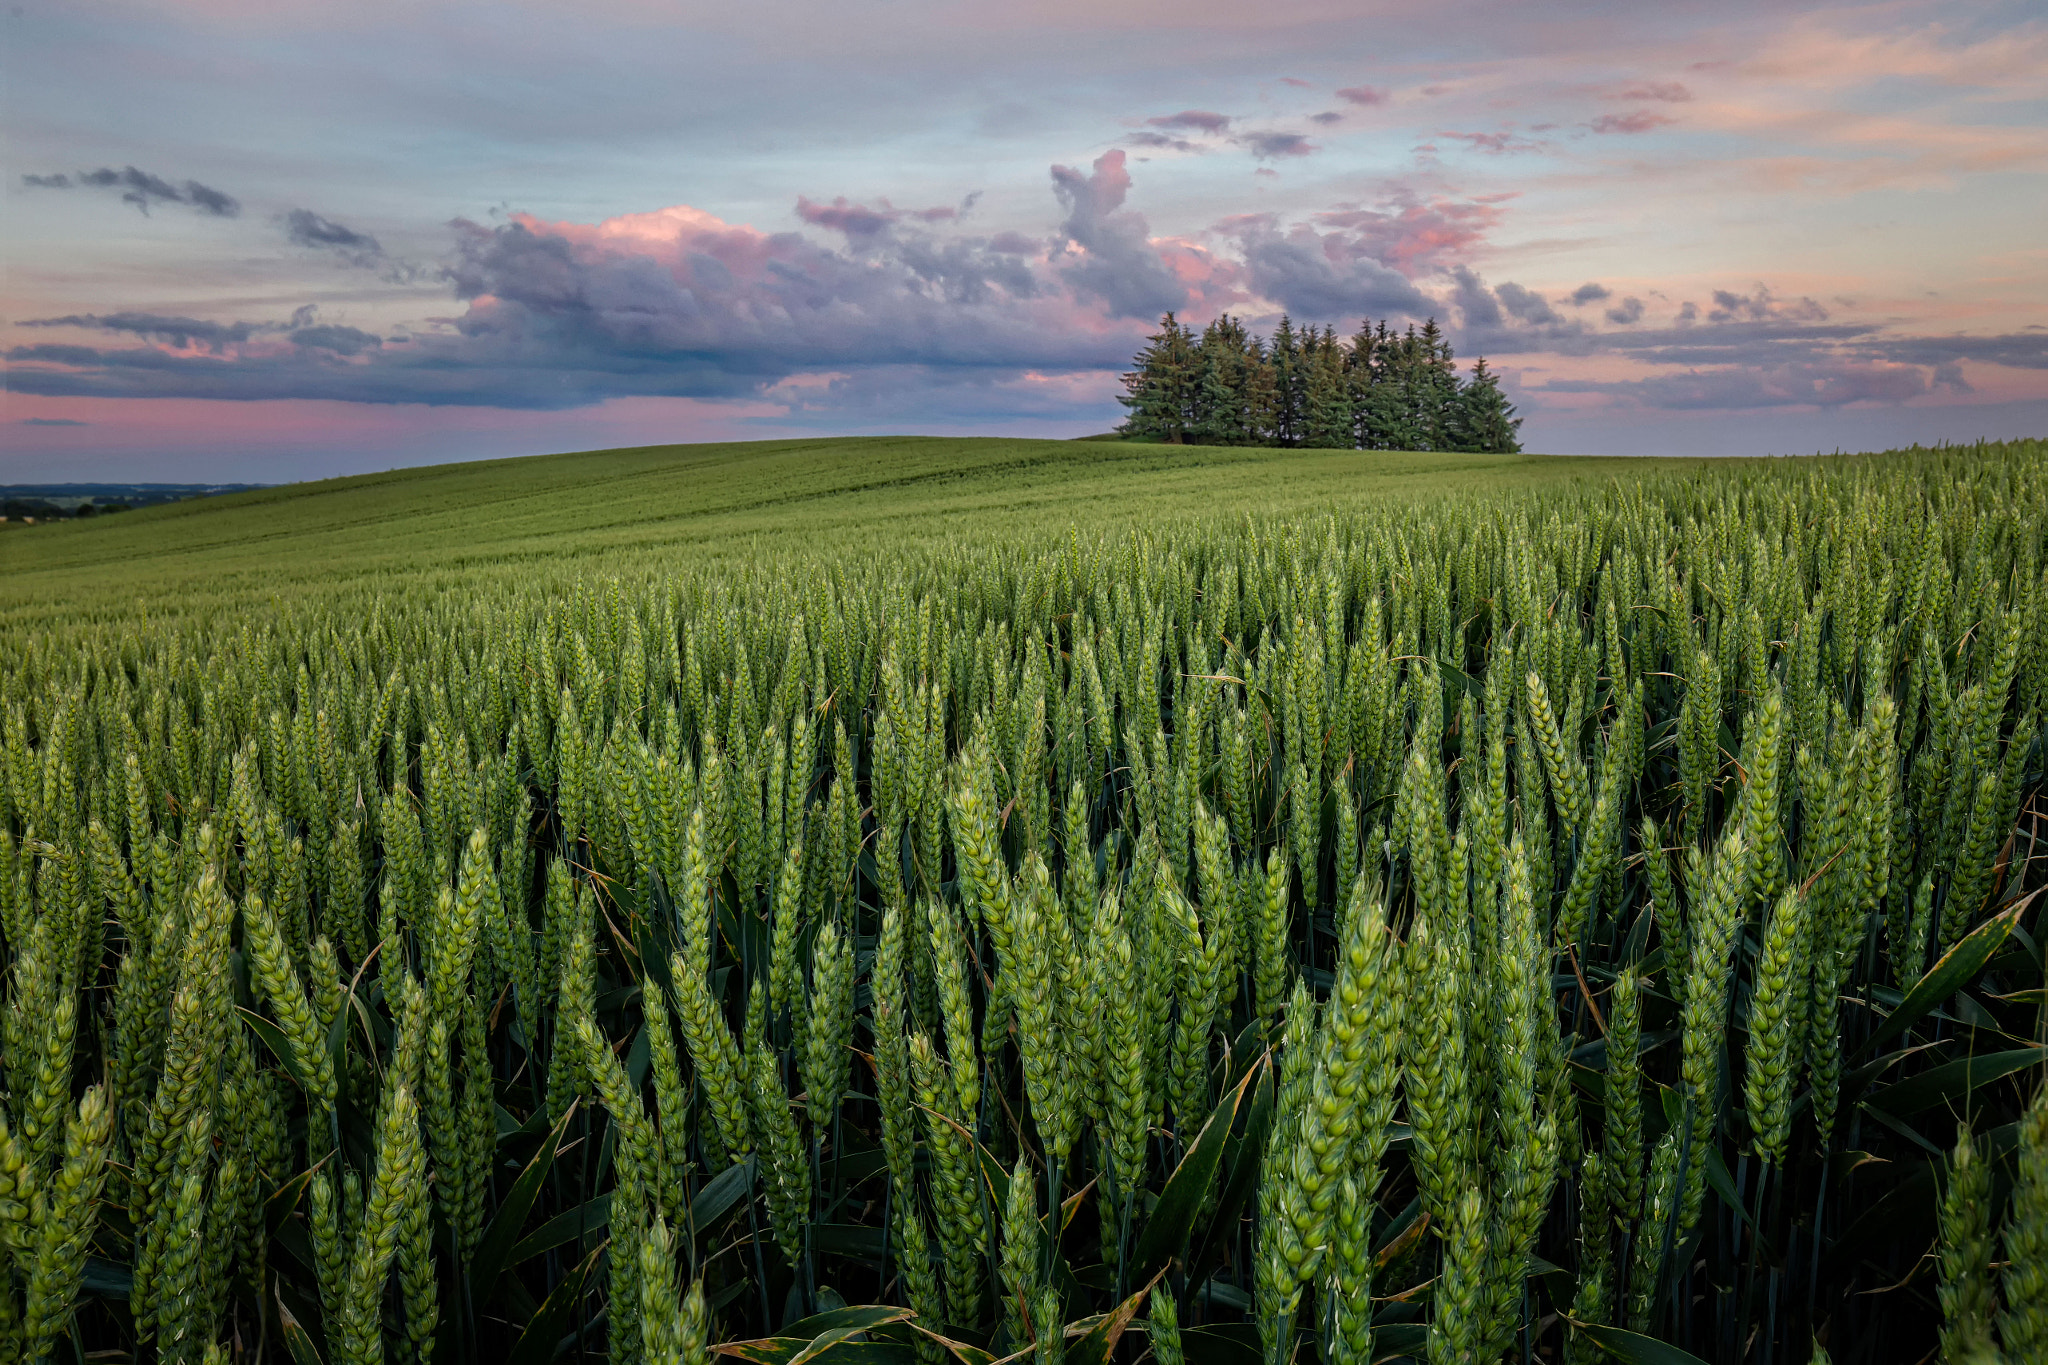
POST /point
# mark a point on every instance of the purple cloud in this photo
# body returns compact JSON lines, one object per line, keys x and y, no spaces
{"x":1634,"y":121}
{"x":142,"y":189}
{"x":183,"y":333}
{"x":1669,"y":92}
{"x":1201,"y":120}
{"x":1272,"y":146}
{"x":1627,"y":312}
{"x":1763,"y":306}
{"x":1527,"y":305}
{"x":1502,"y":143}
{"x":1327,"y":276}
{"x":1807,"y":385}
{"x":1164,"y":142}
{"x":1363,"y":94}
{"x":859,"y":222}
{"x":1413,"y":235}
{"x":1116,"y":263}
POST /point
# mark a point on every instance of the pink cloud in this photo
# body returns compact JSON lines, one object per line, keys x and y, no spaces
{"x":1418,"y":237}
{"x":1363,"y":94}
{"x":669,"y":235}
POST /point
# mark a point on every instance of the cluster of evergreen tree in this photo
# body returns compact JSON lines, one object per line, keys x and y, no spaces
{"x":1381,"y":390}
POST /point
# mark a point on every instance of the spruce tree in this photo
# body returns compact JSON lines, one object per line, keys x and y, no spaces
{"x":1381,"y":390}
{"x":1326,"y":416}
{"x":1435,"y":387}
{"x":1358,"y":360}
{"x":1485,"y":420}
{"x":1289,"y":386}
{"x":1222,"y":419}
{"x":1160,"y":391}
{"x":1398,"y":400}
{"x":1261,"y":395}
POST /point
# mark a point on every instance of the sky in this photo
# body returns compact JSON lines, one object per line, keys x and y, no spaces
{"x":265,"y":240}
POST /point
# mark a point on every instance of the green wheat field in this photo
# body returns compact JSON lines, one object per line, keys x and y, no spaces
{"x":945,"y":902}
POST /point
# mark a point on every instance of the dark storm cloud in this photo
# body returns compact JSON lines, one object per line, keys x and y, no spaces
{"x":143,"y":189}
{"x":1626,"y":313}
{"x":1589,"y":292}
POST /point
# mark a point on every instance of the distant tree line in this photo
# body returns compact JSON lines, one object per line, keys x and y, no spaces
{"x":20,"y":509}
{"x":1380,"y":390}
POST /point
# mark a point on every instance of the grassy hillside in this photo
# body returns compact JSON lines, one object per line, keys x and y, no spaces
{"x":608,"y":509}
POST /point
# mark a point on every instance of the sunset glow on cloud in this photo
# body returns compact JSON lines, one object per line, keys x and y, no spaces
{"x":270,"y":242}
